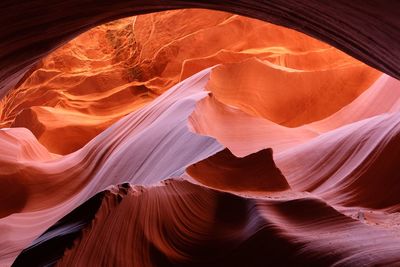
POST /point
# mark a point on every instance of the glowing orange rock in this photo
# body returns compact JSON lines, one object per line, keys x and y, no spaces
{"x":102,"y":75}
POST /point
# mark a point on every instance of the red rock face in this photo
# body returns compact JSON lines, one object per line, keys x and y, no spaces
{"x":82,"y":88}
{"x":200,"y":138}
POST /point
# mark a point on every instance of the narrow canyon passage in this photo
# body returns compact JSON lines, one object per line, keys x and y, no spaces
{"x":195,"y":137}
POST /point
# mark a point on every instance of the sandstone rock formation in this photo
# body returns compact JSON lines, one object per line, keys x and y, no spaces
{"x":200,"y":138}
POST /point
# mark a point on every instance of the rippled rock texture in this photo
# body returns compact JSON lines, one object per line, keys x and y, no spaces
{"x":201,"y":138}
{"x":82,"y":88}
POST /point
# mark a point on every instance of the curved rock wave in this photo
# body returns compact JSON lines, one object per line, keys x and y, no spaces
{"x":196,"y":226}
{"x":335,"y":212}
{"x":144,"y":147}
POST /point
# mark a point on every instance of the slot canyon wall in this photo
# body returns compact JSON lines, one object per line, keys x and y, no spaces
{"x":194,"y":137}
{"x":366,"y":29}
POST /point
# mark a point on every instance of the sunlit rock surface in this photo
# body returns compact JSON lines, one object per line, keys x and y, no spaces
{"x":200,"y":138}
{"x":82,"y":88}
